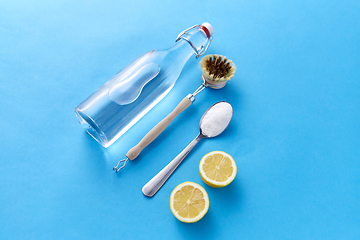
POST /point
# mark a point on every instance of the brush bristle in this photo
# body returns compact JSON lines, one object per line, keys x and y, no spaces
{"x":217,"y":68}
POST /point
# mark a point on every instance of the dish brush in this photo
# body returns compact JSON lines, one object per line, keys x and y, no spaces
{"x":216,"y":71}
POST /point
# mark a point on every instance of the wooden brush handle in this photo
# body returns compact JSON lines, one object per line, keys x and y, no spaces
{"x":150,"y":136}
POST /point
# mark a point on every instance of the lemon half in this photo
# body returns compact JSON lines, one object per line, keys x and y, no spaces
{"x":189,"y":202}
{"x":217,"y":169}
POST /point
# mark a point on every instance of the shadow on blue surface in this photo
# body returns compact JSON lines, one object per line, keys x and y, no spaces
{"x":205,"y":228}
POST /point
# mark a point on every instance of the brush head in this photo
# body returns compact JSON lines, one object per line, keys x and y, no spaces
{"x":217,"y":70}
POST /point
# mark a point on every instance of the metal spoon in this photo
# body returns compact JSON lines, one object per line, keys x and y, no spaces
{"x":213,"y":122}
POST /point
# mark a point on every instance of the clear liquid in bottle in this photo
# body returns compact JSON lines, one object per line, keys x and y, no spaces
{"x":123,"y":100}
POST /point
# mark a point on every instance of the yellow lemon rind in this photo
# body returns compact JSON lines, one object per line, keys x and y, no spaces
{"x":213,"y":183}
{"x":201,"y":215}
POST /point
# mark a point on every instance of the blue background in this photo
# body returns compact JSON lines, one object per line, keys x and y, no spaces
{"x":295,"y":131}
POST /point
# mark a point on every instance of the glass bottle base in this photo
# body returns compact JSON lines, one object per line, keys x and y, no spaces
{"x":91,"y":128}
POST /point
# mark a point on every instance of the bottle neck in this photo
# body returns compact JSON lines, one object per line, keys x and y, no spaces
{"x":183,"y":49}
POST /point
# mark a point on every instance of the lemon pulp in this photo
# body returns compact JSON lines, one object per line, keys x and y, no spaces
{"x":189,"y":202}
{"x":217,"y":169}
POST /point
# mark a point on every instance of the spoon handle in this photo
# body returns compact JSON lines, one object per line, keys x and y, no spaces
{"x":150,"y":188}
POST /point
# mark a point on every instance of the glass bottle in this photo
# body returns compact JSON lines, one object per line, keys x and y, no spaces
{"x":123,"y":100}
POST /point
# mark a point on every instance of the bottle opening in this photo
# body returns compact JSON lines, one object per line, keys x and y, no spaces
{"x":207,"y":28}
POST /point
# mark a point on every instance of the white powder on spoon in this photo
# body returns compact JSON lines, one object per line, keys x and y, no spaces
{"x":216,"y":119}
